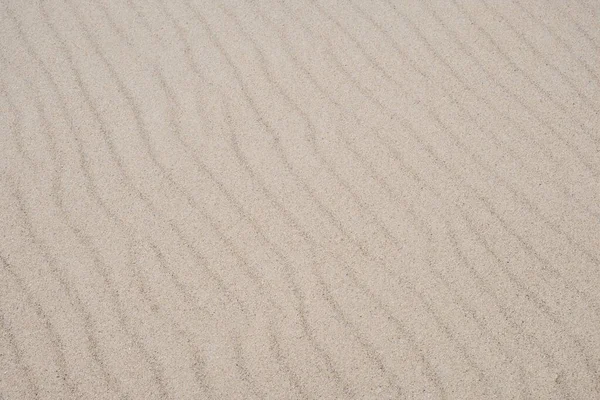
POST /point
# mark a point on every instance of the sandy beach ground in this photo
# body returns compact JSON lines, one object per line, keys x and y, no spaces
{"x":328,"y":199}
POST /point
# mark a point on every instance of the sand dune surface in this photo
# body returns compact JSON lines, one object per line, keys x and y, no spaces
{"x":315,"y":199}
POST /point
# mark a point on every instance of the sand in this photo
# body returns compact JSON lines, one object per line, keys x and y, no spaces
{"x":330,"y":199}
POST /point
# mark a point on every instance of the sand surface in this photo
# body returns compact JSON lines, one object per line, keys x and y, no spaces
{"x":329,"y":199}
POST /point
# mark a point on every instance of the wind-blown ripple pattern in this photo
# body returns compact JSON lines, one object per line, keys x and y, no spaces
{"x":316,"y":199}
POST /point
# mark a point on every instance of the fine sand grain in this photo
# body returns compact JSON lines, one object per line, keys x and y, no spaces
{"x":316,"y":199}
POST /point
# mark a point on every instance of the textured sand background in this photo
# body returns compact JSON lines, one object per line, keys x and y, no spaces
{"x":328,"y":199}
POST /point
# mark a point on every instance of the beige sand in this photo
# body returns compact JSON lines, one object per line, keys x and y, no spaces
{"x":329,"y":199}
